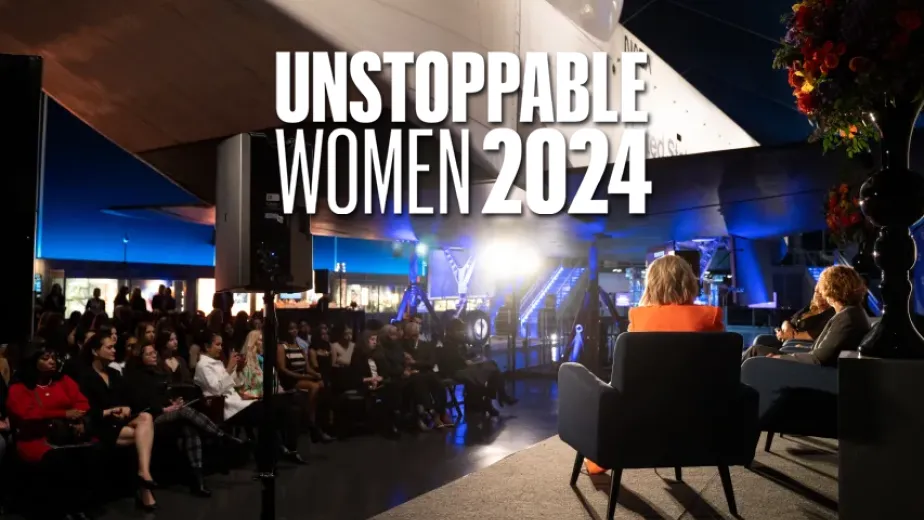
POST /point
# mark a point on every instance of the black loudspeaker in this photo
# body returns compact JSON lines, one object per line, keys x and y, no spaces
{"x":22,"y":137}
{"x":257,"y":246}
{"x":322,"y":281}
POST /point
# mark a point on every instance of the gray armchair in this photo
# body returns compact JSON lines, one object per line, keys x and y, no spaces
{"x":795,"y":398}
{"x":675,"y":400}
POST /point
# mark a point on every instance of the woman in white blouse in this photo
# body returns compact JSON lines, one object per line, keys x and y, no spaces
{"x":341,"y":350}
{"x":215,"y":379}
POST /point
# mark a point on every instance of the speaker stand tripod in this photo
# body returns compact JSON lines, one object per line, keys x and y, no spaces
{"x":268,"y":441}
{"x":266,"y":460}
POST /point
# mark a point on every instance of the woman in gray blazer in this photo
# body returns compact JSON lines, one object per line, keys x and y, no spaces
{"x":844,"y":290}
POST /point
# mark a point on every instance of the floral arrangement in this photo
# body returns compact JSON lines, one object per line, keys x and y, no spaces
{"x":843,"y":216}
{"x":847,"y":59}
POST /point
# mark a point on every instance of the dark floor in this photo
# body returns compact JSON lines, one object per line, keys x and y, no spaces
{"x":364,"y":476}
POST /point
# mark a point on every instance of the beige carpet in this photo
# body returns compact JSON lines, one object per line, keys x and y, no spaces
{"x":797,"y":480}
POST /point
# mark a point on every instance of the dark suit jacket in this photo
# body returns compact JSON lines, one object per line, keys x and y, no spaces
{"x":423,"y":354}
{"x":843,"y":332}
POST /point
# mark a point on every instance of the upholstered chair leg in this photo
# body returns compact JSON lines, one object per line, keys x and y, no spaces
{"x":614,"y":493}
{"x":678,"y":474}
{"x":578,"y":462}
{"x":768,"y":441}
{"x":729,"y":490}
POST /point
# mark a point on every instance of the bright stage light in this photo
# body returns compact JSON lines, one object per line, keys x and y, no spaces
{"x":511,"y":260}
{"x":554,"y":337}
{"x":421,"y":249}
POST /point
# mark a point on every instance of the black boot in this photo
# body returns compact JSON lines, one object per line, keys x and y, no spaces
{"x":198,"y":487}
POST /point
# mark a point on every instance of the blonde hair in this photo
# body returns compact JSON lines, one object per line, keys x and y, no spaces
{"x":250,"y":349}
{"x":670,"y":281}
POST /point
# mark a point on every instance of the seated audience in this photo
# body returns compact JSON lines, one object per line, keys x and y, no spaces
{"x":844,"y":290}
{"x":363,"y":375}
{"x":129,"y":352}
{"x":145,"y":333}
{"x":250,"y":376}
{"x":46,"y":406}
{"x":319,"y":355}
{"x":805,"y":325}
{"x":342,"y":348}
{"x":111,"y":418}
{"x":667,"y":305}
{"x":147,"y":380}
{"x":250,"y":385}
{"x":421,"y":358}
{"x":178,"y":371}
{"x":304,"y":335}
{"x":214,"y":378}
{"x":391,"y":364}
{"x":483,"y":380}
{"x":341,"y":356}
{"x":295,"y":373}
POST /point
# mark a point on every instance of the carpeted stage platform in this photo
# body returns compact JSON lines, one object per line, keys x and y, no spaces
{"x":796,"y":480}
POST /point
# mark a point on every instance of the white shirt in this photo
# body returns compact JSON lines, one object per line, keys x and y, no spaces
{"x":214,"y":380}
{"x":302,"y":344}
{"x":341,"y":356}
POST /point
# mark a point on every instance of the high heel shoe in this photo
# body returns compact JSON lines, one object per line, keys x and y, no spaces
{"x":139,"y":504}
{"x":146,"y":484}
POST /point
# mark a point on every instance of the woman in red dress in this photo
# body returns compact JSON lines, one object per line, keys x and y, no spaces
{"x":39,"y":395}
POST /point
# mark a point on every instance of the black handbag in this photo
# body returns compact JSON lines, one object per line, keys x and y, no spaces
{"x":65,"y":432}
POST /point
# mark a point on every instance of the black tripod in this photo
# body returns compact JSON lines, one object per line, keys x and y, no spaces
{"x":268,"y":441}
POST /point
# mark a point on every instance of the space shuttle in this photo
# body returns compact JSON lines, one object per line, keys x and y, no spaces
{"x":682,"y":121}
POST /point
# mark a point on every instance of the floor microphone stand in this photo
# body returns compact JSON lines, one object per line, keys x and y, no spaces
{"x":268,"y":448}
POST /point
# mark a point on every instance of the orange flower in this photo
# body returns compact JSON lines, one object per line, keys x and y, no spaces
{"x":795,"y":80}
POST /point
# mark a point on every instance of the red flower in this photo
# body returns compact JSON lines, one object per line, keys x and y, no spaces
{"x":840,"y":48}
{"x":795,"y":81}
{"x":908,"y":19}
{"x":806,"y":103}
{"x":803,"y":16}
{"x":811,"y":68}
{"x":854,"y":219}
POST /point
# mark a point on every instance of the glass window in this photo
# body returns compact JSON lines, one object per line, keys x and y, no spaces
{"x":77,"y":291}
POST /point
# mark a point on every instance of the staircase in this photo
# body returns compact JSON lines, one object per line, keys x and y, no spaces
{"x":569,"y":283}
{"x":560,"y":284}
{"x":571,"y":296}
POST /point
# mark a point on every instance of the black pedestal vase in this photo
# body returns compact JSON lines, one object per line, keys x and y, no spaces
{"x":893,"y":199}
{"x":863,"y":261}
